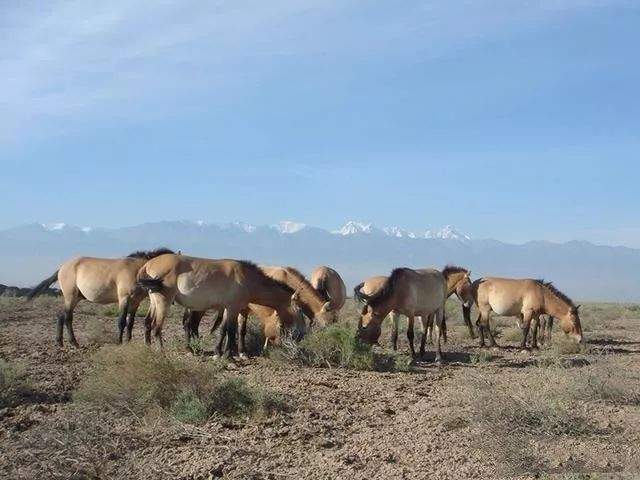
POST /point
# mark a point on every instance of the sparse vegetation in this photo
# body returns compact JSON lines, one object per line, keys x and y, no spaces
{"x":137,"y":379}
{"x":334,"y":346}
{"x":13,"y":383}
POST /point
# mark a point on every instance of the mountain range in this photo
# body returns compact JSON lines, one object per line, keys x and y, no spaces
{"x":357,"y":250}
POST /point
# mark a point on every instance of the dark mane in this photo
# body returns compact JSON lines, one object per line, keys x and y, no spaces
{"x":557,"y":293}
{"x":451,"y":269}
{"x":149,"y":254}
{"x":387,"y":289}
{"x":272,"y":282}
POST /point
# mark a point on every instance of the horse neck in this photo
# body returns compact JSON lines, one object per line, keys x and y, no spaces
{"x":554,"y":306}
{"x":452,"y":282}
{"x":269,"y":294}
{"x":310,"y":298}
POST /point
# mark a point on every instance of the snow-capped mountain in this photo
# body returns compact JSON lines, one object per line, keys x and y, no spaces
{"x":352,"y":228}
{"x":357,"y":250}
{"x":287,"y":226}
{"x":447,"y":233}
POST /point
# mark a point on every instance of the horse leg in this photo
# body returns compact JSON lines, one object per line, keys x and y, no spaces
{"x":242,"y":331}
{"x":466,"y":314}
{"x":487,"y":326}
{"x":428,"y":325}
{"x":411,"y":320}
{"x":131,"y":319}
{"x":231,"y":321}
{"x":526,"y":324}
{"x":123,"y":310}
{"x":148,"y":322}
{"x":534,"y":332}
{"x":426,"y":320}
{"x":161,"y":308}
{"x":223,"y":336}
{"x":395,"y":319}
{"x":439,"y":324}
{"x":444,"y":327}
{"x":67,"y":317}
{"x":480,"y":330}
{"x":549,"y":328}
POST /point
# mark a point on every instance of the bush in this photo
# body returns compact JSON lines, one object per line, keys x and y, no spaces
{"x":13,"y":383}
{"x":334,"y":346}
{"x":138,"y":379}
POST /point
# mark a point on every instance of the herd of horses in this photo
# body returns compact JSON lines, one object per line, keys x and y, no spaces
{"x":286,"y":303}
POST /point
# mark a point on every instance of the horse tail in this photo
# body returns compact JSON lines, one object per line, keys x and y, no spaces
{"x":148,"y":283}
{"x":42,"y":286}
{"x":359,"y":295}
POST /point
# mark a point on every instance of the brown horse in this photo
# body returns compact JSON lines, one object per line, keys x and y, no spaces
{"x":330,"y":286}
{"x":527,"y":300}
{"x":99,"y":280}
{"x":201,"y":284}
{"x":411,"y":293}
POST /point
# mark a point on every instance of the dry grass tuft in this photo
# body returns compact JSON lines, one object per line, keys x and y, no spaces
{"x":137,"y":379}
{"x":334,"y":346}
{"x":13,"y":383}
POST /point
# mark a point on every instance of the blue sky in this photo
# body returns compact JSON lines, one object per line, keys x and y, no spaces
{"x":514,"y":120}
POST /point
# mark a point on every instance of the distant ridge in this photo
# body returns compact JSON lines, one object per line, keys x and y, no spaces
{"x":357,"y":250}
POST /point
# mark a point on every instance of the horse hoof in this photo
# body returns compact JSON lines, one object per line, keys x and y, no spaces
{"x":243,"y":356}
{"x":525,"y":351}
{"x":216,"y":356}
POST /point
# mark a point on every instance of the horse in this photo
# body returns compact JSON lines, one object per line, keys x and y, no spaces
{"x":458,"y":283}
{"x":201,"y":284}
{"x":408,"y":292}
{"x":330,"y":285}
{"x":99,"y":280}
{"x":526,"y":299}
{"x":306,"y":298}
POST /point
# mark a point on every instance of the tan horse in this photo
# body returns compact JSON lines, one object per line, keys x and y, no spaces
{"x":201,"y":284}
{"x":407,"y":292}
{"x":274,"y":324}
{"x":330,"y":285}
{"x":306,"y":298}
{"x":99,"y":280}
{"x":310,"y":300}
{"x":527,"y":300}
{"x":458,"y":283}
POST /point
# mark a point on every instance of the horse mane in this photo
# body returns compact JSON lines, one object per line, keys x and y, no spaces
{"x":272,"y":282}
{"x":555,"y":292}
{"x":451,"y":269}
{"x":149,"y":254}
{"x":387,"y":289}
{"x":300,"y":278}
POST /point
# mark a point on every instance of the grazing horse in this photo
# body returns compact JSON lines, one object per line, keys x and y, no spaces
{"x":201,"y":284}
{"x":411,"y":293}
{"x":99,"y":280}
{"x":330,"y":286}
{"x":527,"y":300}
{"x":306,"y":298}
{"x":458,"y":283}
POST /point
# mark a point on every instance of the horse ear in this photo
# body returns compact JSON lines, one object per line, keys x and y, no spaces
{"x":326,"y":307}
{"x":469,"y":274}
{"x":295,"y":297}
{"x":578,"y":307}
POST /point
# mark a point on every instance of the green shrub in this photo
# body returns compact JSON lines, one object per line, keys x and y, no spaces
{"x":13,"y":383}
{"x":137,"y":379}
{"x":334,"y":346}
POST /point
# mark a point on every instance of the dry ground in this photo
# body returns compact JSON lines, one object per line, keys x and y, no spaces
{"x":499,"y":414}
